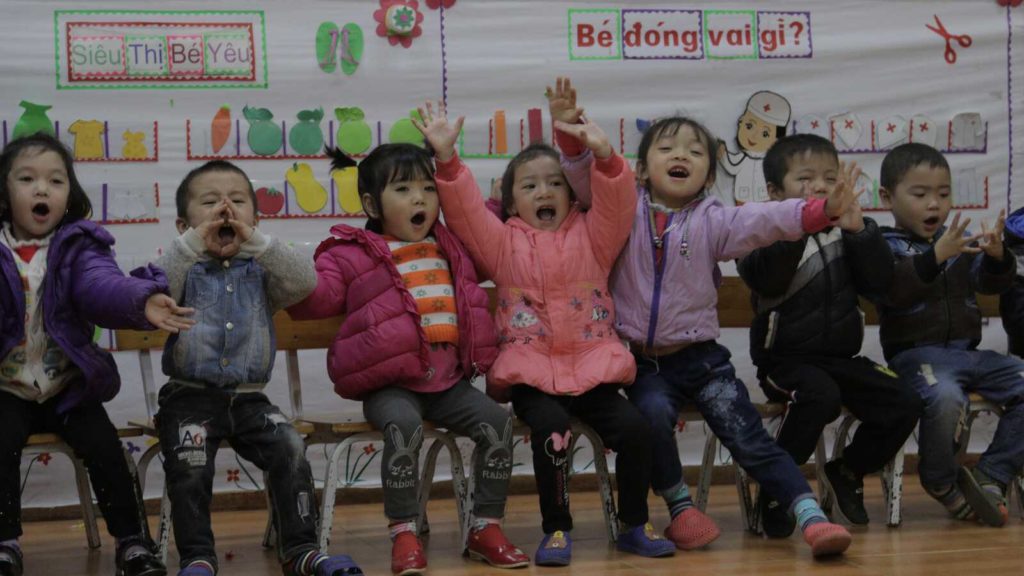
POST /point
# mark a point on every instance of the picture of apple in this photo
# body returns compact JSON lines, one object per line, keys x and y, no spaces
{"x":269,"y":200}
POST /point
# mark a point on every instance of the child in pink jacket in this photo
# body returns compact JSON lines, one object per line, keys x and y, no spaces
{"x":417,"y":330}
{"x":559,"y":354}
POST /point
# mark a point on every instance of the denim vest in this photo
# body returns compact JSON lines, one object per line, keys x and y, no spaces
{"x":232,"y":344}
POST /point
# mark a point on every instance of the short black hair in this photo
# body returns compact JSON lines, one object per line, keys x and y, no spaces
{"x":776,"y":160}
{"x":670,"y":126}
{"x":531,"y":152}
{"x":181,"y":197}
{"x":79,"y":206}
{"x":905,"y":158}
{"x":387,"y":163}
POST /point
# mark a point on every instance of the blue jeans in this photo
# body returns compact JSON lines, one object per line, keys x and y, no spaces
{"x":943,"y":376}
{"x":192,"y":422}
{"x":703,"y":375}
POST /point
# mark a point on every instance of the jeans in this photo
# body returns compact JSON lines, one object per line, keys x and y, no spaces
{"x":943,"y":376}
{"x":192,"y":423}
{"x":702,"y":374}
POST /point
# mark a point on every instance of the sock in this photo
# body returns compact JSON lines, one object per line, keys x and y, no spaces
{"x":397,"y":528}
{"x":6,"y":555}
{"x":678,"y":499}
{"x":132,"y":546}
{"x":305,"y":563}
{"x":808,"y":512}
{"x":990,"y":484}
{"x":953,"y":499}
{"x":201,"y":564}
{"x":481,"y":523}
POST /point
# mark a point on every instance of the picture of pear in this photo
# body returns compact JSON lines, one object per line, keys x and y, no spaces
{"x":354,"y":135}
{"x":305,"y":137}
{"x":309,"y":194}
{"x":265,"y":136}
{"x":346,"y":182}
{"x":32,"y":120}
{"x":403,"y":131}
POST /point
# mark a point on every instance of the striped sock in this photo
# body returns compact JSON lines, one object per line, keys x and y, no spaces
{"x":953,"y":499}
{"x":481,"y":523}
{"x":677,"y":499}
{"x":305,"y":563}
{"x":807,"y":513}
{"x":398,"y":527}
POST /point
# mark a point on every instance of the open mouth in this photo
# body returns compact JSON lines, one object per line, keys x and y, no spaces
{"x":226,"y":234}
{"x":679,"y":172}
{"x":933,"y":221}
{"x":546,"y":213}
{"x":418,"y":218}
{"x":41,"y":209}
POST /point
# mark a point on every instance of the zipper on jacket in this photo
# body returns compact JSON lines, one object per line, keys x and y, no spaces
{"x":659,"y":269}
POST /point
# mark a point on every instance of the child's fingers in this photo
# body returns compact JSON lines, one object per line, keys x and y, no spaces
{"x":458,"y":124}
{"x":955,"y":222}
{"x":573,"y":129}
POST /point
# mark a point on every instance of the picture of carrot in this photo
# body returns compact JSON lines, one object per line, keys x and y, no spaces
{"x":220,"y":128}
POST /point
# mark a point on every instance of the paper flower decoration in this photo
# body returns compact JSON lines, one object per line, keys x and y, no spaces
{"x":399,"y":21}
{"x":435,"y":4}
{"x":1000,"y":2}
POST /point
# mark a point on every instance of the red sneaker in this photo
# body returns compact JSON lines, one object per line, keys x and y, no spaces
{"x":827,"y":539}
{"x":692,"y":529}
{"x":407,"y":556}
{"x":490,"y":545}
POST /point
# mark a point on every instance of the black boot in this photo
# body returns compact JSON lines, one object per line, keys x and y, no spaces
{"x":145,"y":563}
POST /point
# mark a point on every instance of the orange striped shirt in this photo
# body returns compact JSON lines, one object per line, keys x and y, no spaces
{"x":427,"y":277}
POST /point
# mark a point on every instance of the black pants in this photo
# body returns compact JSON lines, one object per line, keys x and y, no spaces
{"x":616,"y":421}
{"x":192,"y":422}
{"x":817,"y":389}
{"x":89,"y":432}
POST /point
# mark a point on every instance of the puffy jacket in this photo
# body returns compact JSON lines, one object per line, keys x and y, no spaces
{"x":380,"y":343}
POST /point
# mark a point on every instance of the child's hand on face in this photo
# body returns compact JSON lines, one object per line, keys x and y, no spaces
{"x":954,"y":242}
{"x":852,"y":220}
{"x":439,"y":133}
{"x":562,"y":102}
{"x":839,"y":200}
{"x":164,"y":313}
{"x":589,"y":134}
{"x":209,"y":231}
{"x":992,"y":240}
{"x":243,"y":232}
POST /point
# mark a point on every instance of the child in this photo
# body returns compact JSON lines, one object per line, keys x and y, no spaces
{"x":665,"y":286}
{"x":60,"y":279}
{"x":931,"y":327}
{"x":417,"y":331}
{"x":236,"y":278}
{"x":808,"y":330}
{"x":1011,"y":302}
{"x":559,"y":354}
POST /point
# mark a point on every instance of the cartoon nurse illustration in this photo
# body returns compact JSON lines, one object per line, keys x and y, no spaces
{"x":763,"y":122}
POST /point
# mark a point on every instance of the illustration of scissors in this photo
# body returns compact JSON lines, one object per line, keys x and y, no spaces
{"x":963,"y":39}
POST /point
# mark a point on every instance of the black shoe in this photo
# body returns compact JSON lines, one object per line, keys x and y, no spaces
{"x":775,"y":520}
{"x":848,"y":489}
{"x":10,"y":561}
{"x":144,"y":564}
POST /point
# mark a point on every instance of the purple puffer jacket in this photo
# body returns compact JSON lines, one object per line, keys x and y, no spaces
{"x":83,"y":288}
{"x":381,"y":343}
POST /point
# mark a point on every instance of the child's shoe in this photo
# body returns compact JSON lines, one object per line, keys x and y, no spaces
{"x":407,"y":556}
{"x":848,"y":489}
{"x":953,"y":499}
{"x":199,"y":568}
{"x":692,"y":529}
{"x":10,"y":560}
{"x":554,"y":550}
{"x":340,"y":565}
{"x":644,"y":541}
{"x":986,"y":496}
{"x":776,"y":521}
{"x":489,"y":544}
{"x":827,"y":539}
{"x":136,"y":557}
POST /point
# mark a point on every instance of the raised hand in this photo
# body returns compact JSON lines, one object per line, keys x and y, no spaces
{"x":954,"y":242}
{"x":164,"y":313}
{"x":852,"y":220}
{"x":841,"y":197}
{"x":562,"y":101}
{"x":589,"y":134}
{"x":992,"y":240}
{"x":441,"y":135}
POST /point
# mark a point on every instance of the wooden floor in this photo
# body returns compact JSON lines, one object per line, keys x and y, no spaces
{"x":928,"y":543}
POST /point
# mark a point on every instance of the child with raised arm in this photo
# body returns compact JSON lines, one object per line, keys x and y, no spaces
{"x":931,"y":328}
{"x":417,"y":330}
{"x":235,"y":277}
{"x":559,"y":354}
{"x":665,"y":286}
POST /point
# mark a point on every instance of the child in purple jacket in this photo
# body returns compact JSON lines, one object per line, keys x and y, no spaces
{"x":60,"y":281}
